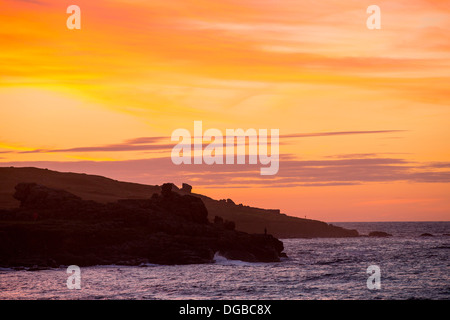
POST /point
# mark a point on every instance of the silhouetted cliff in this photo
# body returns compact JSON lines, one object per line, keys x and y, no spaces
{"x":54,"y":227}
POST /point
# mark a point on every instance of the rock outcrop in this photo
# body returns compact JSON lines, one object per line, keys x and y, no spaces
{"x":379,"y":234}
{"x":32,"y":195}
{"x":54,"y":227}
{"x":186,"y":188}
{"x":426,"y":235}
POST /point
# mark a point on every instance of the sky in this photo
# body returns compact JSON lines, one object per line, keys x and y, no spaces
{"x":363,"y":114}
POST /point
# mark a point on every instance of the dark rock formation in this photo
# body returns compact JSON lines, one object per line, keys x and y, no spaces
{"x":229,"y":201}
{"x":379,"y":234}
{"x":190,"y":207}
{"x":165,"y":229}
{"x":229,"y":225}
{"x":218,"y":220}
{"x":32,"y":195}
{"x":186,"y":188}
{"x":426,"y":235}
{"x":166,"y":189}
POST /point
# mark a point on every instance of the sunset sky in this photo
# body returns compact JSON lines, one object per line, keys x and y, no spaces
{"x":364,"y":115}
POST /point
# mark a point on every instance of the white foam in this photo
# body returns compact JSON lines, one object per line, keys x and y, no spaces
{"x":7,"y":269}
{"x":221,"y":260}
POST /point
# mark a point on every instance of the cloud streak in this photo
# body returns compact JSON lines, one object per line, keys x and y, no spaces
{"x":337,"y":133}
{"x":154,"y":143}
{"x":292,"y":172}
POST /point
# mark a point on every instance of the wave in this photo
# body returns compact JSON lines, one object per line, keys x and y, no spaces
{"x":221,"y":260}
{"x":7,"y":269}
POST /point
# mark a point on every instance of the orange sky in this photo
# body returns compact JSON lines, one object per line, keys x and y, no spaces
{"x":363,"y":114}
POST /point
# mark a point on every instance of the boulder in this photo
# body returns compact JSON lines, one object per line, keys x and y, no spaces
{"x":379,"y":234}
{"x":166,"y":189}
{"x":186,"y":188}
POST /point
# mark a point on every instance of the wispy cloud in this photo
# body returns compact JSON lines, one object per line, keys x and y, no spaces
{"x":337,"y":133}
{"x":292,"y":172}
{"x":42,"y":3}
{"x":155,"y":143}
{"x":362,"y":155}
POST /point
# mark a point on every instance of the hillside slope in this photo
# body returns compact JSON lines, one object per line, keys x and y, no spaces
{"x":103,"y":190}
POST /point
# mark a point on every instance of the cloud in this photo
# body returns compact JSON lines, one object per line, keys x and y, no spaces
{"x":336,"y":133}
{"x":42,"y":3}
{"x":154,"y":143}
{"x":143,"y":140}
{"x":137,"y":144}
{"x":314,"y":173}
{"x":361,"y":155}
{"x":437,"y":165}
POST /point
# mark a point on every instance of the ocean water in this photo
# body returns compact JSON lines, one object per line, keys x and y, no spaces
{"x":412,"y":267}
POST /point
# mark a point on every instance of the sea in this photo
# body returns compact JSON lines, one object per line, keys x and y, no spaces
{"x":404,"y":266}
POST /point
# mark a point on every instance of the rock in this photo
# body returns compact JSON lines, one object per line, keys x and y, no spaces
{"x":166,"y":189}
{"x":52,"y":263}
{"x":32,"y":195}
{"x":187,"y":206}
{"x":218,"y":220}
{"x":166,"y":229}
{"x":426,"y":235}
{"x":379,"y":234}
{"x":186,"y":188}
{"x":229,"y":201}
{"x":229,"y":225}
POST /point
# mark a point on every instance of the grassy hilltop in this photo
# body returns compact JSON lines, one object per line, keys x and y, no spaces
{"x":103,"y":190}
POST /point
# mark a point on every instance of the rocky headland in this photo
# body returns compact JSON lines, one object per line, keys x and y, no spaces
{"x":104,"y":190}
{"x":53,"y":227}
